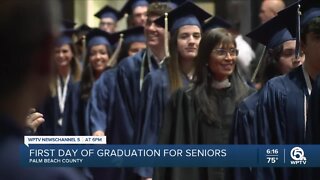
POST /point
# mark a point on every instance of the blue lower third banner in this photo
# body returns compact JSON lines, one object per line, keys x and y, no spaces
{"x":170,"y":155}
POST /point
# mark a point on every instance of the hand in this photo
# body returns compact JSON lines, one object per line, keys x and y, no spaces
{"x":34,"y":119}
{"x":98,"y":133}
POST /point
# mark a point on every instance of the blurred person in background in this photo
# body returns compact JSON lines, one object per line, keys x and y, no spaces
{"x":25,"y":73}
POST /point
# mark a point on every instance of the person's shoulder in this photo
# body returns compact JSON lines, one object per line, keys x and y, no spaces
{"x":156,"y":75}
{"x":108,"y":74}
{"x":283,"y":82}
{"x":249,"y":102}
{"x":131,"y":60}
{"x":9,"y":155}
{"x":277,"y":83}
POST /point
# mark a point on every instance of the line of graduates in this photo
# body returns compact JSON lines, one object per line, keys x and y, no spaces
{"x":283,"y":111}
{"x":176,"y":81}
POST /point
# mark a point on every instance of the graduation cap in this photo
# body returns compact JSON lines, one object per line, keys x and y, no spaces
{"x":304,"y":11}
{"x":186,"y":14}
{"x":309,"y":10}
{"x":216,"y":22}
{"x":67,"y":31}
{"x":98,"y":37}
{"x":131,"y":5}
{"x":65,"y":37}
{"x":171,"y":3}
{"x":127,"y":37}
{"x":108,"y":12}
{"x":131,"y":35}
{"x":272,"y":33}
{"x":68,"y":24}
{"x":83,"y":29}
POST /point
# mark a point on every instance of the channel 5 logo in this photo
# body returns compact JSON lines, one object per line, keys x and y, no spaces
{"x":297,"y":154}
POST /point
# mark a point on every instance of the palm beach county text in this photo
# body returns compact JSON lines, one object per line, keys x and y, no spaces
{"x":78,"y":156}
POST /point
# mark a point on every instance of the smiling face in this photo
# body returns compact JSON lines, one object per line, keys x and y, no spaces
{"x":63,"y":55}
{"x":188,"y":41}
{"x":98,"y":57}
{"x":222,"y":61}
{"x":154,"y":33}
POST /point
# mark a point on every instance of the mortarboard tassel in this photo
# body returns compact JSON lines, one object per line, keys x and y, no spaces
{"x":253,"y":79}
{"x":84,"y":49}
{"x":166,"y":36}
{"x":298,"y":39}
{"x":128,"y":20}
{"x":114,"y":58}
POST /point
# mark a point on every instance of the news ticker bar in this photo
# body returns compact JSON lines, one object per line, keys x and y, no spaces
{"x":170,"y":155}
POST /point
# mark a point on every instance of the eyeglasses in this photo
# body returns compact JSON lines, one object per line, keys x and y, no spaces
{"x":223,"y":52}
{"x":107,"y":23}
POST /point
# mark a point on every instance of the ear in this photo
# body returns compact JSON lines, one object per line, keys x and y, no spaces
{"x":303,"y":46}
{"x":43,"y":57}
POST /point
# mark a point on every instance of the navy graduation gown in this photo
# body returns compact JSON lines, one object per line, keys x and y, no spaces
{"x":100,"y":111}
{"x":79,"y":114}
{"x":51,"y":113}
{"x":101,"y":116}
{"x":244,"y":123}
{"x":281,"y":118}
{"x":313,"y":123}
{"x":154,"y":96}
{"x":101,"y":103}
{"x":313,"y":133}
{"x":128,"y":93}
{"x":244,"y":132}
{"x":128,"y":99}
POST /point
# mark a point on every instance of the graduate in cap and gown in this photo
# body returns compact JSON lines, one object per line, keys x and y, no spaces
{"x":102,"y":98}
{"x":108,"y":19}
{"x":281,"y":113}
{"x":136,"y":12}
{"x":98,"y":48}
{"x":130,"y":73}
{"x":184,"y":24}
{"x":202,"y":113}
{"x":278,"y":59}
{"x":215,"y":22}
{"x":67,"y":70}
{"x":132,"y":70}
{"x":133,"y":41}
{"x":103,"y":89}
{"x":98,"y":54}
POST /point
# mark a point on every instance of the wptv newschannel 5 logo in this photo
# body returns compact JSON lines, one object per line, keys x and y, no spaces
{"x":297,"y":156}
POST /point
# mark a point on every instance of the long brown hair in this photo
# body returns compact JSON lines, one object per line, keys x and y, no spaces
{"x":172,"y":64}
{"x":203,"y":76}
